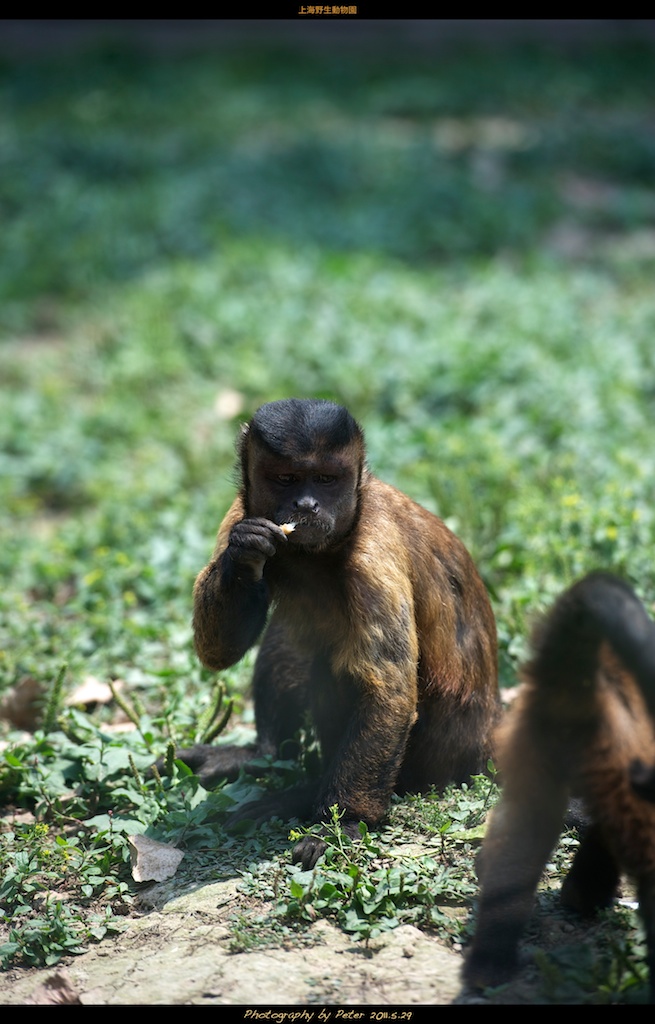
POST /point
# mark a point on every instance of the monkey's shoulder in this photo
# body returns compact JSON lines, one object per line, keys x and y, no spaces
{"x":393,"y":520}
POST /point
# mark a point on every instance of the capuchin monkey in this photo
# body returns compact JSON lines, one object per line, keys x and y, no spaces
{"x":371,"y":618}
{"x":582,"y":726}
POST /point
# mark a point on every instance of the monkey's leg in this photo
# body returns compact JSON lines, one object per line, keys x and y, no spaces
{"x":279,"y":688}
{"x":522,"y":832}
{"x":593,"y":876}
{"x":280,"y":685}
{"x":280,"y":692}
{"x":363,"y":737}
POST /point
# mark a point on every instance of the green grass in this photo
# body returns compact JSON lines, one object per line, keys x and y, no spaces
{"x":460,"y":249}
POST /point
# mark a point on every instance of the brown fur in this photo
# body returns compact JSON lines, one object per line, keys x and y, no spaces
{"x":580,"y":727}
{"x":379,"y":623}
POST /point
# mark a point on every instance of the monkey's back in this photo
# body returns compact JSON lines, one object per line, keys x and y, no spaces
{"x":625,"y":734}
{"x":454,"y":620}
{"x":588,"y":736}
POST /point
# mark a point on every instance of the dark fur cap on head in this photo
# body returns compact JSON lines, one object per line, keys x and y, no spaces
{"x":301,"y":426}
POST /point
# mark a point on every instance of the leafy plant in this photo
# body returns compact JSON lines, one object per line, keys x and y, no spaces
{"x":374,"y":884}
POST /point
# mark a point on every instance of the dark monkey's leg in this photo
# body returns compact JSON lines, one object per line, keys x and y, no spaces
{"x":280,"y":680}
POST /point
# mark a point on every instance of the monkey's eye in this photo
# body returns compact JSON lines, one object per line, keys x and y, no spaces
{"x":325,"y":478}
{"x":284,"y":479}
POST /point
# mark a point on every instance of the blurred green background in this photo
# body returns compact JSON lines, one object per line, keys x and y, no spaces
{"x":454,"y":239}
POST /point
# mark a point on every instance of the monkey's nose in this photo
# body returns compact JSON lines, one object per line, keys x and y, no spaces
{"x":306,"y":505}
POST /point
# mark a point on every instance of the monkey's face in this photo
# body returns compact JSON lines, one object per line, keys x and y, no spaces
{"x":318,"y":495}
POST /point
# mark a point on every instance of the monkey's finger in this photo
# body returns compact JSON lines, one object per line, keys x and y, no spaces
{"x":252,"y":546}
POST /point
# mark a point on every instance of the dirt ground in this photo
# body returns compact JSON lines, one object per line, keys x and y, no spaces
{"x":176,"y":951}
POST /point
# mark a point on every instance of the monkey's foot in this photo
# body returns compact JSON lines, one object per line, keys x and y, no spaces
{"x":213,"y":764}
{"x":308,"y":849}
{"x":487,"y":970}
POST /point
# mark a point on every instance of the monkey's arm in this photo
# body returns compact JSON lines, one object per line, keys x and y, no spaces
{"x":230,"y":596}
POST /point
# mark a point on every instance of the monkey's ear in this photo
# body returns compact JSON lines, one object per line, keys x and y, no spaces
{"x":242,"y":438}
{"x":241,"y":452}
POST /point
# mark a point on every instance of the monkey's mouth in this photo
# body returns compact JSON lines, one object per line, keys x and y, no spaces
{"x":309,"y":531}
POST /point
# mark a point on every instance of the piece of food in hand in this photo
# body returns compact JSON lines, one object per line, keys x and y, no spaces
{"x":287,"y":527}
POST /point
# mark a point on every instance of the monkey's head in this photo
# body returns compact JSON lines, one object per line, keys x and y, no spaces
{"x":303,"y":462}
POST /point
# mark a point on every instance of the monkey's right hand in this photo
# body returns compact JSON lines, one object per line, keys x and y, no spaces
{"x":251,"y":543}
